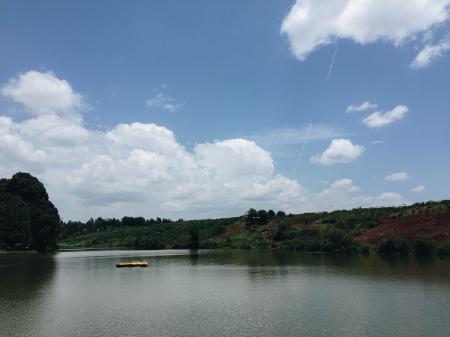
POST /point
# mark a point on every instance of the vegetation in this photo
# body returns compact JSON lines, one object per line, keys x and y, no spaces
{"x":28,"y":220}
{"x":394,"y":246}
{"x":424,"y":246}
{"x":331,"y":232}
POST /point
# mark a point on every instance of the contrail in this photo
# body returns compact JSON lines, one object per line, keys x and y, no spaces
{"x":300,"y":155}
{"x":330,"y":68}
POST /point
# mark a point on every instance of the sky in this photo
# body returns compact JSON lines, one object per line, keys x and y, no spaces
{"x":197,"y":109}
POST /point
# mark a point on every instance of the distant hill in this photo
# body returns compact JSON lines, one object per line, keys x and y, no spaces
{"x":431,"y":220}
{"x":361,"y":230}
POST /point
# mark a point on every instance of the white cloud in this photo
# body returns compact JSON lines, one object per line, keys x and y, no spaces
{"x":389,"y":199}
{"x":376,"y":142}
{"x":163,"y":101}
{"x":311,"y":24}
{"x":397,"y":176}
{"x":43,"y":93}
{"x":339,"y":151}
{"x":361,"y":107}
{"x":418,"y":189}
{"x":343,"y":194}
{"x":141,"y":169}
{"x":379,"y":119}
{"x":343,"y":184}
{"x":132,"y":168}
{"x":430,"y":53}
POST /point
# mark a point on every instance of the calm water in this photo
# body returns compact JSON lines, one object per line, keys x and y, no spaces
{"x":222,"y":293}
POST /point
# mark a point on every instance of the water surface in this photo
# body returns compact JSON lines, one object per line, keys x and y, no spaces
{"x":222,"y":293}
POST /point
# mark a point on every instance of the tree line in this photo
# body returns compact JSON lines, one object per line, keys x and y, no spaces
{"x":29,"y":221}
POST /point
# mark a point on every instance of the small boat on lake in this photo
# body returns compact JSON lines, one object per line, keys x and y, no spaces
{"x":131,"y":264}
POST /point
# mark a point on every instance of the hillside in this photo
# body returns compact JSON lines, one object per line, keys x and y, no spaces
{"x":348,"y":231}
{"x":433,"y":221}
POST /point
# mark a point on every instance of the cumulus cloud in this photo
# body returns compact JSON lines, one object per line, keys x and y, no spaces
{"x":339,"y":151}
{"x":389,"y":198}
{"x":343,"y":194}
{"x":132,"y":168}
{"x":418,"y":189}
{"x":43,"y":93}
{"x":380,"y":119}
{"x":397,"y":176}
{"x":141,"y":168}
{"x":430,"y":52}
{"x":311,"y":24}
{"x":361,"y":107}
{"x":344,"y":184}
{"x":163,"y":101}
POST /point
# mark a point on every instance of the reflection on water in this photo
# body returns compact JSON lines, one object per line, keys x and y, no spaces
{"x":222,"y":293}
{"x":25,"y":283}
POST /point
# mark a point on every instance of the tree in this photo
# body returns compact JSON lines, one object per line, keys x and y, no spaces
{"x":262,"y":217}
{"x":394,"y":246}
{"x":194,"y":237}
{"x":424,"y":246}
{"x":14,"y":222}
{"x":43,"y":222}
{"x":251,"y":217}
{"x":279,"y":233}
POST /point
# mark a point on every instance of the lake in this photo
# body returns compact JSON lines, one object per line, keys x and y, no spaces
{"x":222,"y":293}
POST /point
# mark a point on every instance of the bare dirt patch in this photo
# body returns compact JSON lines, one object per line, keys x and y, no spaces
{"x":410,"y":226}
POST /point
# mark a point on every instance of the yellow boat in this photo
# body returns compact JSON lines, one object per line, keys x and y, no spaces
{"x":131,"y":264}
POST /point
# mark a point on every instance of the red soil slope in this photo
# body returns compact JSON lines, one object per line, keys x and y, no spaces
{"x":434,"y":224}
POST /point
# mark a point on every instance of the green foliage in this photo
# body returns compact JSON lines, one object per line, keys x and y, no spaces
{"x":283,"y":232}
{"x":262,"y":217}
{"x":29,"y":188}
{"x":424,"y":246}
{"x":15,"y":229}
{"x":27,"y":217}
{"x":251,"y":218}
{"x":444,"y":250}
{"x":194,"y":238}
{"x":394,"y":246}
{"x":330,"y":232}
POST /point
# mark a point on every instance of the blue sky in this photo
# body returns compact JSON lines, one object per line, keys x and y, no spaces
{"x":215,"y":71}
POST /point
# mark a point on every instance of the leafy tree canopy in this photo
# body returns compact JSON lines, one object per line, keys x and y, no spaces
{"x":28,"y":219}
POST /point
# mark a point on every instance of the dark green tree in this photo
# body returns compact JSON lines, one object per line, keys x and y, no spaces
{"x":15,"y":230}
{"x":394,"y":246}
{"x":43,"y":215}
{"x":424,"y":246}
{"x":194,"y":237}
{"x":262,"y":217}
{"x":281,"y":214}
{"x":251,"y":218}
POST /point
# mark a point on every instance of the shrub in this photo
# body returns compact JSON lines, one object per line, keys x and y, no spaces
{"x":444,"y":250}
{"x":394,"y":246}
{"x":424,"y":246}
